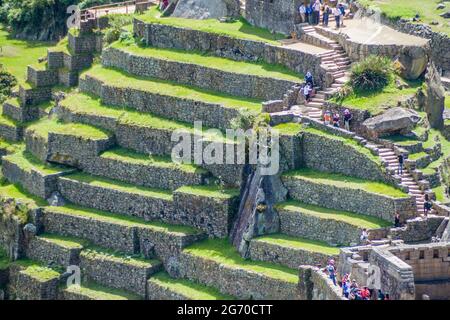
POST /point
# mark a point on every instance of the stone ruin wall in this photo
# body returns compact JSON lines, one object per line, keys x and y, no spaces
{"x":276,"y":15}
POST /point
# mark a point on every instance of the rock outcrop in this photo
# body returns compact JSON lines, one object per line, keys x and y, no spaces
{"x":395,"y":120}
{"x":414,"y":62}
{"x":432,"y":98}
{"x":206,"y":9}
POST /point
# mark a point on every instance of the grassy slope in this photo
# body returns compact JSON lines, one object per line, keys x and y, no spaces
{"x":298,"y":243}
{"x":221,"y":251}
{"x":241,"y":67}
{"x":342,"y":181}
{"x":238,"y":29}
{"x":357,"y":220}
{"x":377,"y":102}
{"x":187,"y":288}
{"x":15,"y":54}
{"x":427,"y":9}
{"x":118,"y":78}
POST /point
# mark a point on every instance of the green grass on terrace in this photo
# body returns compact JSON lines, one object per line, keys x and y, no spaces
{"x":239,"y":29}
{"x":221,"y":251}
{"x":121,"y":186}
{"x":416,"y":156}
{"x":40,"y":273}
{"x":299,"y":243}
{"x":88,"y":105}
{"x":16,"y":54}
{"x":66,"y":242}
{"x":129,"y":156}
{"x":121,"y":79}
{"x":98,"y":292}
{"x":210,"y":191}
{"x":252,"y":68}
{"x":96,"y":253}
{"x":4,"y":260}
{"x":447,"y":101}
{"x":18,"y":193}
{"x":28,"y":162}
{"x":378,"y":102}
{"x":120,"y":219}
{"x":402,"y":140}
{"x":296,"y":128}
{"x":188,"y":288}
{"x":43,"y":127}
{"x":357,"y":220}
{"x":427,"y":9}
{"x":342,"y":181}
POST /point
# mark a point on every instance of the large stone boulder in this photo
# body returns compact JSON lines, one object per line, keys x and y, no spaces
{"x":207,"y":9}
{"x":393,"y":121}
{"x":432,"y":98}
{"x":414,"y":62}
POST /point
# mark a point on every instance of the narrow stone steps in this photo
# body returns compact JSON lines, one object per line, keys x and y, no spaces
{"x":162,"y":287}
{"x":291,"y":251}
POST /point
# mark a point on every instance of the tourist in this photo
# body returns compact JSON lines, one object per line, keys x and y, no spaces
{"x":427,"y":205}
{"x":397,"y":220}
{"x":326,"y":15}
{"x":341,"y":8}
{"x":387,"y":297}
{"x":347,"y":118}
{"x":302,"y":11}
{"x":332,"y":271}
{"x":327,"y":117}
{"x":309,"y":79}
{"x":336,"y":120}
{"x":346,"y":288}
{"x":400,"y":158}
{"x":337,"y":16}
{"x":380,"y":295}
{"x":364,"y":236}
{"x":309,"y":14}
{"x":164,"y":4}
{"x":316,"y":12}
{"x":307,"y":92}
{"x":365,"y":293}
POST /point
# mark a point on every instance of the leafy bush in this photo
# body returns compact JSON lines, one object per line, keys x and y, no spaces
{"x":115,"y":30}
{"x":372,"y":74}
{"x":7,"y":83}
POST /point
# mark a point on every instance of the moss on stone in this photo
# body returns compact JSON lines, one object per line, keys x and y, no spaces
{"x":299,"y":243}
{"x":342,"y":181}
{"x":121,"y":79}
{"x":239,"y":29}
{"x":222,"y":252}
{"x":188,"y":288}
{"x":4,"y":260}
{"x":18,"y":193}
{"x":240,"y":67}
{"x":357,"y":220}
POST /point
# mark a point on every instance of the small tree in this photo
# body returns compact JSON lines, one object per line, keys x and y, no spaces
{"x":7,"y":83}
{"x":372,"y":74}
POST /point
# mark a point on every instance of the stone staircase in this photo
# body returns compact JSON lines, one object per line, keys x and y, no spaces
{"x":335,"y":62}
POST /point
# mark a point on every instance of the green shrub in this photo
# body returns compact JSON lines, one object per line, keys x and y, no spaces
{"x":7,"y":83}
{"x":372,"y":74}
{"x":115,"y":29}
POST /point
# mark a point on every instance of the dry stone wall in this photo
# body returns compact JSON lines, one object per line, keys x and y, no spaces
{"x":166,"y":36}
{"x":237,"y":84}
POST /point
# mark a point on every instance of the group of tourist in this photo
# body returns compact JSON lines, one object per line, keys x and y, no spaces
{"x":313,"y":11}
{"x":335,"y":119}
{"x":350,"y":289}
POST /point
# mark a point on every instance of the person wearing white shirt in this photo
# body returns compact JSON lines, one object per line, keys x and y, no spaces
{"x":302,"y":11}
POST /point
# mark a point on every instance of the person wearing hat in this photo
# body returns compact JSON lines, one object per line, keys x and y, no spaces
{"x":347,"y":118}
